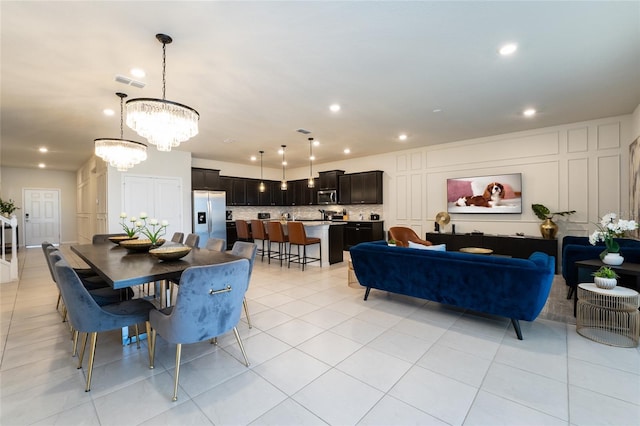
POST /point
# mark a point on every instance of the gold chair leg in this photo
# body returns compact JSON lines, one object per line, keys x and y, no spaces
{"x":75,"y":343}
{"x":58,"y":302}
{"x":137,"y":336}
{"x":151,"y":340}
{"x":246,"y":360}
{"x":92,"y":355}
{"x":64,"y":313}
{"x":246,"y":311}
{"x":82,"y":347}
{"x":175,"y":384}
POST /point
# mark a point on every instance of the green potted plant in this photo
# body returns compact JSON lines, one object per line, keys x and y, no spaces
{"x":605,"y":277}
{"x":391,"y":242}
{"x":548,"y":228}
{"x":7,"y":207}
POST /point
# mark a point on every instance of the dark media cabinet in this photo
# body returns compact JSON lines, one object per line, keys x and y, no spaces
{"x":505,"y":245}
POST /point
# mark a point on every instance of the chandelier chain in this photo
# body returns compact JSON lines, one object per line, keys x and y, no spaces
{"x":164,"y":70}
{"x":121,"y":117}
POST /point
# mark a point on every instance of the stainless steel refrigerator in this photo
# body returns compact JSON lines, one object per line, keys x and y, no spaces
{"x":209,"y":216}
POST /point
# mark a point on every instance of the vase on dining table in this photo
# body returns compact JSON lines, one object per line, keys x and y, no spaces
{"x":613,"y":259}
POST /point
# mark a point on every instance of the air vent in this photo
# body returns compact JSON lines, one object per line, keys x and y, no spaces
{"x":303,"y":131}
{"x":129,"y":82}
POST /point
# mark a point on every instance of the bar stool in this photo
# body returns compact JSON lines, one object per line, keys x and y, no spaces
{"x":242,"y":228}
{"x":259,"y":233}
{"x":276,"y":235}
{"x":298,"y":236}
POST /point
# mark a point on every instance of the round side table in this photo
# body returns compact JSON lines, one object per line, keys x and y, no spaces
{"x":608,"y":316}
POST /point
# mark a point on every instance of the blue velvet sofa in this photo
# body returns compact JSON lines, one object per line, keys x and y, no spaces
{"x":509,"y":287}
{"x":579,"y":248}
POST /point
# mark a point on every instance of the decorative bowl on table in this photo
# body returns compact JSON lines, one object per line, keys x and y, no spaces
{"x":117,"y":239}
{"x":476,"y":250}
{"x":170,"y":252}
{"x":140,"y":245}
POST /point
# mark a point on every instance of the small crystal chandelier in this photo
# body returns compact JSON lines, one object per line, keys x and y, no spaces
{"x":163,"y":123}
{"x":120,"y":153}
{"x":311,"y":182}
{"x":261,"y":187}
{"x":283,"y":184}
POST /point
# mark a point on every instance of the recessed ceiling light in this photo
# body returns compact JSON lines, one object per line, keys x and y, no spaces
{"x":137,"y":72}
{"x":402,"y":137}
{"x":437,"y":110}
{"x":334,"y":108}
{"x":530,"y":112}
{"x":253,"y":158}
{"x":108,"y":111}
{"x":347,"y":151}
{"x":312,"y":158}
{"x":42,"y":165}
{"x":280,"y":151}
{"x":284,"y":163}
{"x":43,"y":149}
{"x":316,"y":142}
{"x":508,"y":49}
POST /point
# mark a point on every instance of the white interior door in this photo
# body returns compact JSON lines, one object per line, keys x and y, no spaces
{"x":41,"y":216}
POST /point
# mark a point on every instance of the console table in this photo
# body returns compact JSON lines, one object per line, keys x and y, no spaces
{"x":506,"y":245}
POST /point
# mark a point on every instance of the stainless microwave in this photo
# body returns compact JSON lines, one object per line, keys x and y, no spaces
{"x":328,"y":197}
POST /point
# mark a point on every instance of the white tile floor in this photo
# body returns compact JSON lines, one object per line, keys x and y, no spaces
{"x":319,"y":355}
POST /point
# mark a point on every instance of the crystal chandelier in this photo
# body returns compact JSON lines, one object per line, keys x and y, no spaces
{"x":311,"y":183}
{"x":261,"y":187}
{"x":283,"y":184}
{"x":120,"y":153}
{"x":163,"y":123}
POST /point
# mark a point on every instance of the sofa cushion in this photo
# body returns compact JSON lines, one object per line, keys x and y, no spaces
{"x":436,"y":247}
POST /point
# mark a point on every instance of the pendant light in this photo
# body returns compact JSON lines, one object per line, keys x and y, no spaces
{"x":311,"y":182}
{"x":163,"y":123}
{"x":120,"y":153}
{"x":261,"y":187}
{"x":283,"y":184}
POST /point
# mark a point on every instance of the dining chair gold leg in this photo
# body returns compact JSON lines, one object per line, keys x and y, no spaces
{"x":82,"y":347}
{"x":246,"y":360}
{"x":152,"y":346}
{"x":75,"y":343}
{"x":246,"y":311}
{"x":59,"y":298}
{"x":64,"y":313}
{"x":175,"y":384}
{"x":92,"y":355}
{"x":137,"y":337}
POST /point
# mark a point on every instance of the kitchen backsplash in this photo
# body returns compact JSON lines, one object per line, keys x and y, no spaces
{"x":306,"y":212}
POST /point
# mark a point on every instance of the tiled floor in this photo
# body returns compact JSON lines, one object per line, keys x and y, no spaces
{"x":319,"y":355}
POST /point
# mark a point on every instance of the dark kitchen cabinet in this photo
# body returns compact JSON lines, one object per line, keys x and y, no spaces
{"x":329,"y":179}
{"x":207,"y":179}
{"x":360,"y":232}
{"x":366,"y":188}
{"x":265,"y":198}
{"x":344,"y":189}
{"x":232,"y":234}
{"x":253,"y":192}
{"x":236,"y":190}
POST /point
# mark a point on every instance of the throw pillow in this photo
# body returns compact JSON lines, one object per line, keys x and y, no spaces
{"x":437,"y":247}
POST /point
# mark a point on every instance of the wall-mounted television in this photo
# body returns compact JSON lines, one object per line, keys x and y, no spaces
{"x":485,"y":194}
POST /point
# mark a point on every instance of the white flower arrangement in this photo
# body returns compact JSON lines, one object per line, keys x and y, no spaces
{"x":610,"y":228}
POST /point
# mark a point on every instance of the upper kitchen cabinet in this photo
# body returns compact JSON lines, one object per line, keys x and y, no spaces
{"x":329,"y":179}
{"x":236,"y":190}
{"x":253,"y":192}
{"x":207,"y":179}
{"x":344,"y":189}
{"x":365,"y":188}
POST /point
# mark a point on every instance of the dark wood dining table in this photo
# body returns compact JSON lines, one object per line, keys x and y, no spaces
{"x":121,"y":268}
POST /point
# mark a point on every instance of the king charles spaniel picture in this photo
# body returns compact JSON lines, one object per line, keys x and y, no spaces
{"x":491,"y":197}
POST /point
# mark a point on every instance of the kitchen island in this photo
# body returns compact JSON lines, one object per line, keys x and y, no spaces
{"x":331,"y":235}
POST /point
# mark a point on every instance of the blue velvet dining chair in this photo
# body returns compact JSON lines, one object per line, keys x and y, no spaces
{"x":216,"y":244}
{"x":208,"y":304}
{"x":247,"y":251}
{"x":86,"y":316}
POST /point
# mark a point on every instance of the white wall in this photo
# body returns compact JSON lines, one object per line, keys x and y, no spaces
{"x":14,"y":180}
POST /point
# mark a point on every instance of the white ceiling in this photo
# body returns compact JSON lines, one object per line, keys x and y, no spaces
{"x":257,"y":71}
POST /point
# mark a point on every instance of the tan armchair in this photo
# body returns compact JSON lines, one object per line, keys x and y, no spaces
{"x":403,"y":235}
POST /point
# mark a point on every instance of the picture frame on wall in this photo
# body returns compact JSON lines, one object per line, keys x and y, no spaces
{"x":485,"y":194}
